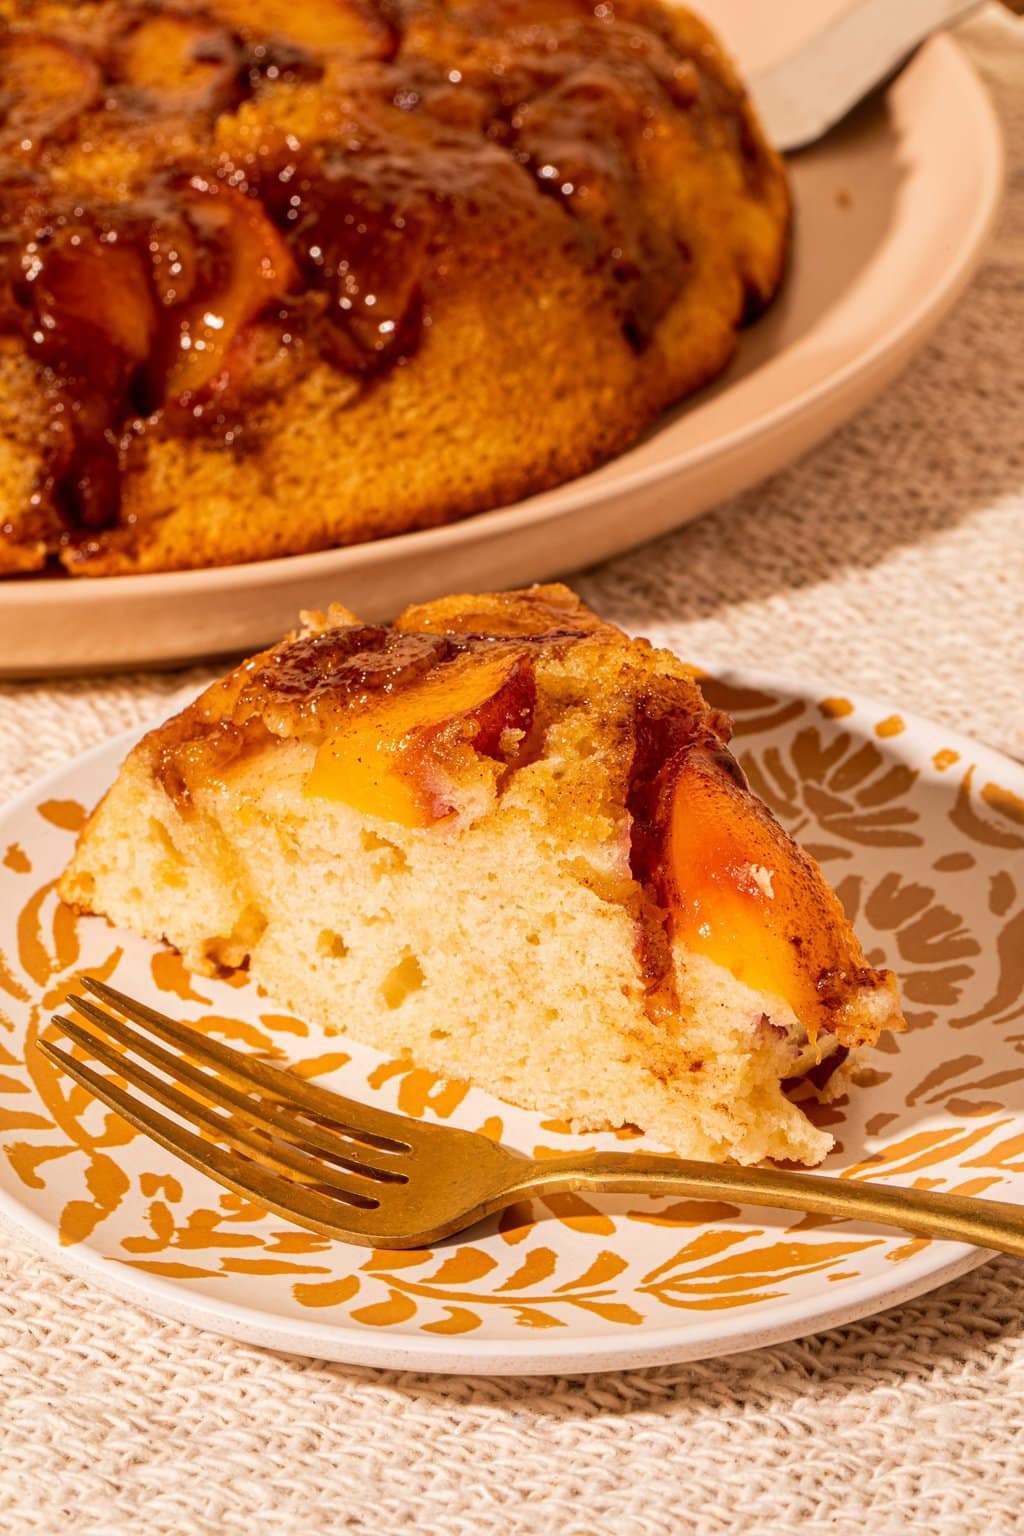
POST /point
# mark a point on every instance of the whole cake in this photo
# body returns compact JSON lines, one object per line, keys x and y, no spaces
{"x":280,"y":276}
{"x":504,"y":840}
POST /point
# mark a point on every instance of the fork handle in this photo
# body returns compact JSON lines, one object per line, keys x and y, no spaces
{"x":929,"y":1213}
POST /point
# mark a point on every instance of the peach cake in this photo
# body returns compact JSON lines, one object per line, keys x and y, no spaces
{"x":355,"y":266}
{"x":502,"y":840}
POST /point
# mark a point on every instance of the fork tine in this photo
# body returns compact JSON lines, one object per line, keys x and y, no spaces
{"x":295,"y":1202}
{"x":381,"y":1128}
{"x":303,"y":1134}
{"x":235,"y":1136}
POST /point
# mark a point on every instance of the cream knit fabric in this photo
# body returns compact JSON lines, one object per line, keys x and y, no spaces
{"x":891,"y":560}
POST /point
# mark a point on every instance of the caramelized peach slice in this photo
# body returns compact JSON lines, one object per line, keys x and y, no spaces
{"x":95,"y":293}
{"x":253,"y":268}
{"x":400,"y":757}
{"x":44,"y":84}
{"x":747,"y":897}
{"x":179,"y":61}
{"x":95,"y":324}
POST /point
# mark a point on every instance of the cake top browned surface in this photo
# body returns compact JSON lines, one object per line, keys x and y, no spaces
{"x":449,"y":681}
{"x":199,"y":197}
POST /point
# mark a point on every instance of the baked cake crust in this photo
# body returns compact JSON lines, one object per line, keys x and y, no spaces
{"x":508,"y":841}
{"x":277,"y":277}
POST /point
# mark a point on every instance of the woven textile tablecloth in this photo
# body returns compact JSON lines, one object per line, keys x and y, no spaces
{"x":891,"y":560}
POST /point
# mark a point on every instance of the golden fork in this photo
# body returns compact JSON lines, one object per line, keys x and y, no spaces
{"x":368,"y":1176}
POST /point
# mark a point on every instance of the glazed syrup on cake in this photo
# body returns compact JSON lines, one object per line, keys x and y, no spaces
{"x":401,"y":720}
{"x":202,"y":283}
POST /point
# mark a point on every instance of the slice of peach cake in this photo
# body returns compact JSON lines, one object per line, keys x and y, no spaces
{"x":506,"y":841}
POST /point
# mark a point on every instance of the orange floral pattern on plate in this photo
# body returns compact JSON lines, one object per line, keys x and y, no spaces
{"x":924,"y":843}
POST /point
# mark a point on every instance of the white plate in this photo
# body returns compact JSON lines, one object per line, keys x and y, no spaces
{"x":892,"y":214}
{"x":921,"y":831}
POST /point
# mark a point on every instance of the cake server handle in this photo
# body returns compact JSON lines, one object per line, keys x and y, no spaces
{"x":925,"y":1212}
{"x":811,"y":89}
